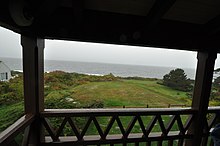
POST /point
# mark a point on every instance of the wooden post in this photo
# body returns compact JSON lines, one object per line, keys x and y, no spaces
{"x":201,"y":94}
{"x":33,"y":72}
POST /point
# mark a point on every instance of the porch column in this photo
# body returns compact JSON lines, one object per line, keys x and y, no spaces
{"x":202,"y":89}
{"x":33,"y":74}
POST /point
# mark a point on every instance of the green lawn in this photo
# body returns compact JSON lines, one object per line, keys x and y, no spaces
{"x":116,"y":93}
{"x":129,"y":93}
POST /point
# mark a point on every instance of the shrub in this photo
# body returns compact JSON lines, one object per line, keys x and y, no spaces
{"x":177,"y":79}
{"x":95,"y":104}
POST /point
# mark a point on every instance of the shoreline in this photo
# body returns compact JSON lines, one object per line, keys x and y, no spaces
{"x":120,"y":70}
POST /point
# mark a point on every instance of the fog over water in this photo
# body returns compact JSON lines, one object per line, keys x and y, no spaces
{"x":101,"y":68}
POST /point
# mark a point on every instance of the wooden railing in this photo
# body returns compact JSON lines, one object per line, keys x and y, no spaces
{"x":7,"y":136}
{"x":137,"y":126}
{"x":213,"y":118}
{"x":143,"y":126}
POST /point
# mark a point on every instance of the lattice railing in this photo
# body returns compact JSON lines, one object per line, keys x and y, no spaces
{"x":213,"y":118}
{"x":118,"y":126}
{"x":149,"y":127}
{"x":8,"y":136}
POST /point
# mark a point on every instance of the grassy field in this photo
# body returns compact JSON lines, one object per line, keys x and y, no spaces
{"x":9,"y":114}
{"x":111,"y":94}
{"x":63,"y":90}
{"x":119,"y":93}
{"x":130,"y":93}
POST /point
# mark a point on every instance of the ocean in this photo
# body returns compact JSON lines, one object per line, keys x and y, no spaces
{"x":101,"y":68}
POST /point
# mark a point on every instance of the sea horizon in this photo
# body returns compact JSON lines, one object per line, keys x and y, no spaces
{"x":100,"y":68}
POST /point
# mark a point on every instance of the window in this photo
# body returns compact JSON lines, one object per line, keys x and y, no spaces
{"x":3,"y":76}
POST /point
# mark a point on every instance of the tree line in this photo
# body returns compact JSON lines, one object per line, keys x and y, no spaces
{"x":177,"y":79}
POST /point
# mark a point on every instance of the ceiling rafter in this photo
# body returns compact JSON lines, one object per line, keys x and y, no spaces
{"x":158,"y":10}
{"x":46,"y":9}
{"x":78,"y":7}
{"x":212,"y":27}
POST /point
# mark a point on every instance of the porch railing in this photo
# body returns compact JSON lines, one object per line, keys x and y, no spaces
{"x":138,"y":126}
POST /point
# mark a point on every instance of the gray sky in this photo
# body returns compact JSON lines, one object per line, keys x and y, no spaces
{"x":92,"y":52}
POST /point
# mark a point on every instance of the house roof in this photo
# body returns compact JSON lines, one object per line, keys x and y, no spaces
{"x":178,"y":24}
{"x":2,"y":63}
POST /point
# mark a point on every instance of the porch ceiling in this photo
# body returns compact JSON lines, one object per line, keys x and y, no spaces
{"x":178,"y":24}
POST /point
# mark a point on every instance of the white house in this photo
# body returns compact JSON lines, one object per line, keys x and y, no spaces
{"x":5,"y":72}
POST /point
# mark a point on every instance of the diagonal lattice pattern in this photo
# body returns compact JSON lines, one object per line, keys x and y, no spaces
{"x":212,"y":118}
{"x":109,"y":126}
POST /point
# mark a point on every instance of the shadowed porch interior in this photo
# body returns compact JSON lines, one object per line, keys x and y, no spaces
{"x":173,"y":24}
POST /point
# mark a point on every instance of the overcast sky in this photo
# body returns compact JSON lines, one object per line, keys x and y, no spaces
{"x":93,"y":52}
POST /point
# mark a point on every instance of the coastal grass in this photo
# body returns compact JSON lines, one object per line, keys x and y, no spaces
{"x":9,"y":114}
{"x":82,"y":91}
{"x":130,"y":93}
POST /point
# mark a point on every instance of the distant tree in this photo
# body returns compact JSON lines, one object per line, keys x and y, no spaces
{"x":177,"y":79}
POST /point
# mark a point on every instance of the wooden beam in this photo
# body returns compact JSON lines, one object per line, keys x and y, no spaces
{"x":12,"y":131}
{"x":77,"y":7}
{"x":201,"y":94}
{"x":158,"y":10}
{"x":211,"y":27}
{"x":33,"y":69}
{"x":45,"y":10}
{"x":33,"y":75}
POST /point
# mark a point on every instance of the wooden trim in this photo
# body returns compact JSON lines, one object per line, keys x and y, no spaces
{"x":33,"y":70}
{"x":11,"y":132}
{"x":115,"y":139}
{"x":125,"y":135}
{"x":26,"y":136}
{"x":214,"y":109}
{"x":33,"y":74}
{"x":202,"y":89}
{"x":119,"y":112}
{"x":158,"y":10}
